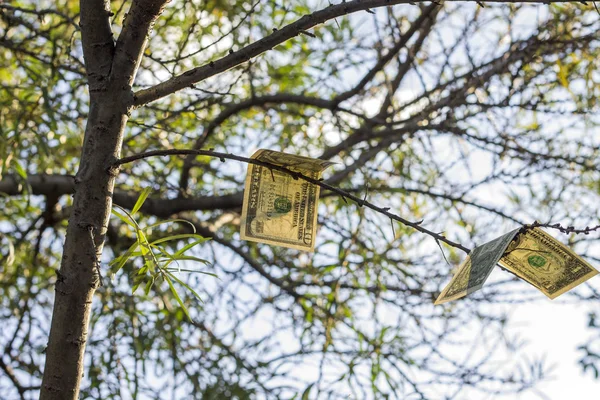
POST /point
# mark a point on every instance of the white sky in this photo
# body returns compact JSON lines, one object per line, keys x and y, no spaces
{"x":555,"y":330}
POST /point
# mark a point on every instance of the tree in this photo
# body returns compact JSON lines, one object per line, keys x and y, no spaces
{"x":464,"y":117}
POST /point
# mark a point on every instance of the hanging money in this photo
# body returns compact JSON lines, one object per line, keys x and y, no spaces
{"x":277,"y":208}
{"x":476,"y":268}
{"x":546,"y":263}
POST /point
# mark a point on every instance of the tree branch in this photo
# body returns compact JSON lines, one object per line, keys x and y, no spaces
{"x":98,"y":43}
{"x":133,"y":38}
{"x":289,"y":31}
{"x":10,"y":373}
{"x":58,"y":185}
{"x":416,"y":25}
{"x":40,"y":185}
{"x":257,"y":101}
{"x":49,"y":185}
{"x":41,"y":13}
{"x":361,"y":202}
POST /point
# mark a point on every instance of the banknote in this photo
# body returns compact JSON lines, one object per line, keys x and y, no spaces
{"x":546,"y":263}
{"x":476,"y":268}
{"x":278,"y":209}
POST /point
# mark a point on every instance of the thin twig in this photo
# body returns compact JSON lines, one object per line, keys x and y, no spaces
{"x":442,"y":250}
{"x":566,"y":230}
{"x":345,"y":195}
{"x":279,"y":36}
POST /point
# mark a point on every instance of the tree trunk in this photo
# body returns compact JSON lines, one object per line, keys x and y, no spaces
{"x":111,"y":70}
{"x":78,"y":277}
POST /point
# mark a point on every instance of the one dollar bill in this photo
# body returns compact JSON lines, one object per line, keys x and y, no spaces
{"x":278,"y":209}
{"x":546,"y":263}
{"x":476,"y":268}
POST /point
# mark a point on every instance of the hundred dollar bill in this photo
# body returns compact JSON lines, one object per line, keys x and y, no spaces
{"x":476,"y":268}
{"x":546,"y":263}
{"x":277,"y":208}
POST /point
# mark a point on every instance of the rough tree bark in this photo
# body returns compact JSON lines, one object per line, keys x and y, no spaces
{"x":111,"y":69}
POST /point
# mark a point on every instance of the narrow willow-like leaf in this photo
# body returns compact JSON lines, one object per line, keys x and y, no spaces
{"x":169,"y":257}
{"x":120,"y":261}
{"x":149,"y":285}
{"x":172,"y":220}
{"x":140,"y":201}
{"x":307,"y":392}
{"x":176,"y":295}
{"x":190,"y":245}
{"x":171,"y":269}
{"x":185,"y":285}
{"x":10,"y":258}
{"x":178,"y":237}
{"x":20,"y":170}
{"x":147,"y":253}
{"x":123,"y":218}
{"x":135,"y":287}
{"x":190,"y":258}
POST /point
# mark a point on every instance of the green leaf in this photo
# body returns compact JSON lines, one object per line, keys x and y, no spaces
{"x":306,"y":392}
{"x":146,"y":248}
{"x":142,"y":270}
{"x":176,"y":295}
{"x":140,"y":201}
{"x":562,"y":74}
{"x":20,"y":170}
{"x":149,"y":286}
{"x":189,"y":258}
{"x":169,"y":258}
{"x":178,"y":237}
{"x":123,"y":218}
{"x":135,"y":287}
{"x":11,"y":251}
{"x":173,"y":220}
{"x":178,"y":256}
{"x":185,"y":285}
{"x":189,"y":246}
{"x":171,"y":269}
{"x":120,"y":261}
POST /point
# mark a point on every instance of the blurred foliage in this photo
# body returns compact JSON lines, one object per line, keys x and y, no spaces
{"x":484,"y":119}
